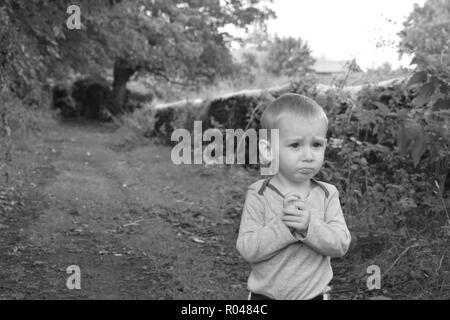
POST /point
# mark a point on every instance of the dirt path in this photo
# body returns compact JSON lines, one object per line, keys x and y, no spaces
{"x":138,"y":226}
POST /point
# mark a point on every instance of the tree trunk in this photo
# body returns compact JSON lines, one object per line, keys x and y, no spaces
{"x":123,"y":70}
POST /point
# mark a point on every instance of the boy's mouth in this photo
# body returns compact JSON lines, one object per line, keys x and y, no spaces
{"x":306,"y":170}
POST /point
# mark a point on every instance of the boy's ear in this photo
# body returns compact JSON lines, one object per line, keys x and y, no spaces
{"x":265,"y":151}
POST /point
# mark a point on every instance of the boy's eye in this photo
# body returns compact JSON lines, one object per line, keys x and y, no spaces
{"x":294,"y":145}
{"x":317,"y":145}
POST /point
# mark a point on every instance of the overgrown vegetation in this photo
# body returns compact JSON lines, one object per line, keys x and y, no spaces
{"x":394,"y":188}
{"x":390,"y":163}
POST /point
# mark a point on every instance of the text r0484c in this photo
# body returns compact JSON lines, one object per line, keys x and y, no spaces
{"x":246,"y":309}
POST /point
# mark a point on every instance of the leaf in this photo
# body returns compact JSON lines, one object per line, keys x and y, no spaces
{"x":381,"y":106}
{"x":403,"y":141}
{"x":410,"y":131}
{"x":418,"y":77}
{"x":415,"y":60}
{"x":402,"y":114}
{"x":444,"y":88}
{"x":418,"y":59}
{"x":418,"y":148}
{"x":425,"y":93}
{"x":441,"y":104}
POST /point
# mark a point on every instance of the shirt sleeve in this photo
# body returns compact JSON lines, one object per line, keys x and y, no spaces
{"x":259,"y":240}
{"x":330,"y":237}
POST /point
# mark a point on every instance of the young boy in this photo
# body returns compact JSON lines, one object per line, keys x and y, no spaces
{"x":291,"y":223}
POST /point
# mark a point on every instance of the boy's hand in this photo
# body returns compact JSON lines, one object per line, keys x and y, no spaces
{"x":289,"y":200}
{"x":295,"y":214}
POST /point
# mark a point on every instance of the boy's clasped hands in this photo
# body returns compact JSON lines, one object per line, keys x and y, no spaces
{"x":296,"y":215}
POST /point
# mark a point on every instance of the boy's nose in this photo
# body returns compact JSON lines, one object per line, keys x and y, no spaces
{"x":307,"y":155}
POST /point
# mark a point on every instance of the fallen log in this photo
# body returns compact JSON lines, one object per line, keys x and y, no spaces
{"x":276,"y":91}
{"x":231,"y":110}
{"x":250,"y":93}
{"x":237,"y":110}
{"x":354,"y":90}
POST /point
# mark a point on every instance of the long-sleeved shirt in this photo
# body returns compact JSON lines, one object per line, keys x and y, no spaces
{"x":285,"y":265}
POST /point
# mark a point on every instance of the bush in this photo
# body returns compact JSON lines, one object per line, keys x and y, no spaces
{"x":92,"y":97}
{"x":394,"y":199}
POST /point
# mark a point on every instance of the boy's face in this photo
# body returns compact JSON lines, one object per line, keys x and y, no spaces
{"x":301,"y":147}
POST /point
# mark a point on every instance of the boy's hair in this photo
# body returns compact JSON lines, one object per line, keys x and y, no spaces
{"x":294,"y":104}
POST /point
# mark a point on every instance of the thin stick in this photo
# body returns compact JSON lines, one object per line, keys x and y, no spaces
{"x":440,"y":263}
{"x":396,"y":260}
{"x":133,"y":223}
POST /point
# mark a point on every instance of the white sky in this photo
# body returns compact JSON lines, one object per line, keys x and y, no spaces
{"x":343,"y":29}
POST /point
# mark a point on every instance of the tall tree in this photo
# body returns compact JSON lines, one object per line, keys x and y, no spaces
{"x":177,"y":40}
{"x":426,"y":35}
{"x":289,"y":56}
{"x":427,"y":29}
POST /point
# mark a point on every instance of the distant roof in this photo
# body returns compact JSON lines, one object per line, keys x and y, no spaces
{"x":332,"y":66}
